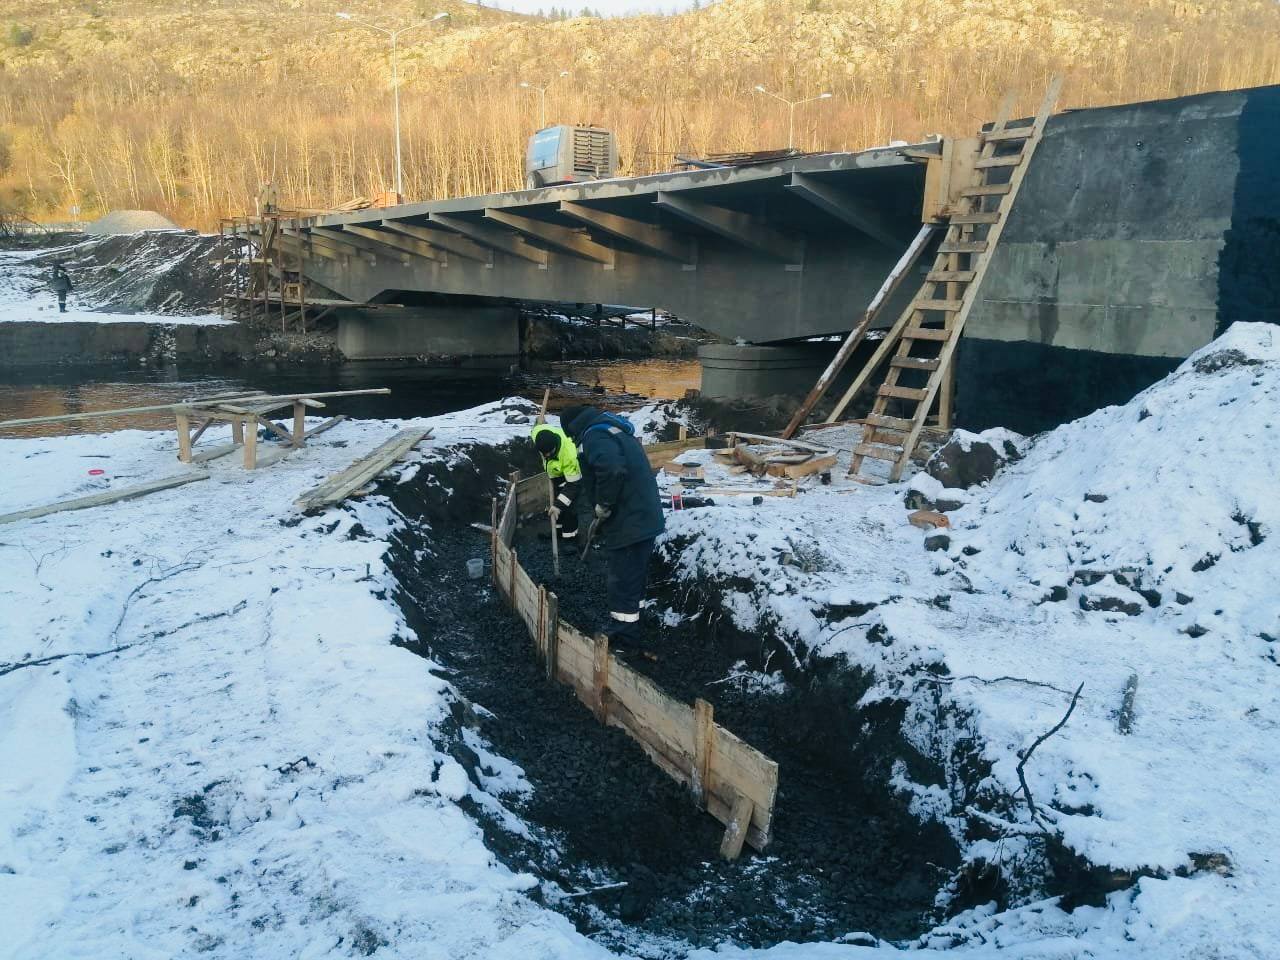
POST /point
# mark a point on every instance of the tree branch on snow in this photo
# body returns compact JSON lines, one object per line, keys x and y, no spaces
{"x":1025,"y":755}
{"x":1007,"y":828}
{"x":181,"y":568}
{"x":991,"y":680}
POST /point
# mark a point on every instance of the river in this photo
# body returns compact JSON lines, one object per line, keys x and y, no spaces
{"x":415,"y":391}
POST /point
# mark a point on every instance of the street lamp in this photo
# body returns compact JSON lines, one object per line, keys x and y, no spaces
{"x":791,"y":132}
{"x":395,"y":76}
{"x":542,"y":97}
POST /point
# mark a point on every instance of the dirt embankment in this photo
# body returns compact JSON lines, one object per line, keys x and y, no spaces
{"x":846,"y":858}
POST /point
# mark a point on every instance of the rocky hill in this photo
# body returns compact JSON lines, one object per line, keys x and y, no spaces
{"x":187,"y":107}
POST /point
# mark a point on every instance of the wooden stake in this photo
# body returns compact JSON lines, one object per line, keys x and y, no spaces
{"x":511,"y":580}
{"x":553,"y":512}
{"x":600,"y":677}
{"x":704,"y":745}
{"x":735,"y":832}
{"x":493,"y":543}
{"x":184,"y":436}
{"x":552,"y":641}
{"x":250,"y":442}
{"x":546,"y":400}
{"x":299,"y":423}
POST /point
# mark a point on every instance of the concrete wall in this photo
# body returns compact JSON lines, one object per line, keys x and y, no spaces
{"x":453,"y":331}
{"x":26,"y":344}
{"x":1140,"y":232}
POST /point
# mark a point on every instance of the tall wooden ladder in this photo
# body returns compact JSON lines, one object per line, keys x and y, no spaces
{"x":923,"y":340}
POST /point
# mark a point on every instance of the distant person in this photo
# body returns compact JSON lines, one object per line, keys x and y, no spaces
{"x":560,"y":457}
{"x":60,"y":283}
{"x":619,"y":485}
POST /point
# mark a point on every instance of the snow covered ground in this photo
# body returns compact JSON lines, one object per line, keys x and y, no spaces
{"x":25,"y":296}
{"x":1136,"y":546}
{"x":210,"y":745}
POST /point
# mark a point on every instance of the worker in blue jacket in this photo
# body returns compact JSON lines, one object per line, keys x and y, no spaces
{"x":618,"y":485}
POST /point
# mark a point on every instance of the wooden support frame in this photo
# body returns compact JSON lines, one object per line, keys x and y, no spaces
{"x":845,"y":207}
{"x":647,"y":236}
{"x":741,"y":228}
{"x":735,"y":783}
{"x":566,"y":239}
{"x":491,"y":236}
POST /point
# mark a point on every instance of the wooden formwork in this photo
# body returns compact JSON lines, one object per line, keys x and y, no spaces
{"x":727,"y":777}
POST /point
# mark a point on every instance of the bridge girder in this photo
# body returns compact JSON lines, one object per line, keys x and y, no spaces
{"x":652,"y":239}
{"x":491,"y":236}
{"x":450,"y":242}
{"x":567,"y":239}
{"x":741,"y":228}
{"x":845,"y":207}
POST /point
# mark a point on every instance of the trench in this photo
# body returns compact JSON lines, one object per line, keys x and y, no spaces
{"x":846,"y":862}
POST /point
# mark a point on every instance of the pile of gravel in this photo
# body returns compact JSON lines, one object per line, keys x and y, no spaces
{"x":119,"y":222}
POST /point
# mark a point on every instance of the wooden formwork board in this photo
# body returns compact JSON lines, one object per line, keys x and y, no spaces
{"x":532,"y":495}
{"x":660,"y":453}
{"x":728,"y":776}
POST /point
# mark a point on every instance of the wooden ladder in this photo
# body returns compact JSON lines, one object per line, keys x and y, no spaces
{"x":923,"y":340}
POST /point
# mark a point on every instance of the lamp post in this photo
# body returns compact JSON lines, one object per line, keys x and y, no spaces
{"x":395,"y":76}
{"x":542,"y":97}
{"x":792,"y":104}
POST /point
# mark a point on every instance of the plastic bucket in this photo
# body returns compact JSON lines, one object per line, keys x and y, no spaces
{"x":475,"y":568}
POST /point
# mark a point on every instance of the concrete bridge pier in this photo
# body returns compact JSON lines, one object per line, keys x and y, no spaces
{"x":392,"y":332}
{"x":732,"y":371}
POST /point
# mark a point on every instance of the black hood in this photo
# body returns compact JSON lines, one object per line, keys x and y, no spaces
{"x":575,"y":420}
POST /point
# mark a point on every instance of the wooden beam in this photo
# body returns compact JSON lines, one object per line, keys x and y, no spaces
{"x":341,"y":485}
{"x":573,"y":242}
{"x":845,"y":207}
{"x":735,"y":831}
{"x":647,"y":236}
{"x":741,"y":228}
{"x":451,"y":242}
{"x":396,"y":242}
{"x":704,"y":745}
{"x":491,"y":236}
{"x":100,"y":499}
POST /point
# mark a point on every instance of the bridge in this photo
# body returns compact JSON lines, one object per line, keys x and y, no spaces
{"x":759,"y":254}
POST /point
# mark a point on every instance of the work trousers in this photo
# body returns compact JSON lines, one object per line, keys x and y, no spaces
{"x":624,"y":585}
{"x":564,"y":494}
{"x":62,"y":302}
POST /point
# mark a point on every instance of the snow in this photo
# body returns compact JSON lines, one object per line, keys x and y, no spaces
{"x":1188,"y":471}
{"x":25,"y":297}
{"x":211,"y":744}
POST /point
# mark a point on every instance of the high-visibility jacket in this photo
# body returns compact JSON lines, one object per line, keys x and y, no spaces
{"x":565,"y":462}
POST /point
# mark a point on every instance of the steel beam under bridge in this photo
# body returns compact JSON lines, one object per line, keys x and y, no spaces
{"x":763,"y":253}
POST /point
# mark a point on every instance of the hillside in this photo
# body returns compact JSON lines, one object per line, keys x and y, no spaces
{"x":188,"y":107}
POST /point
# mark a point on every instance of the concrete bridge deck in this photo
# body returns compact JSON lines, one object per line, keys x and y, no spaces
{"x":763,"y":253}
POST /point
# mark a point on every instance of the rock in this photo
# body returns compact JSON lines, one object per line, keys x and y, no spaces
{"x":1111,"y":605}
{"x":1055,"y":595}
{"x":1096,"y":497}
{"x":1194,"y":631}
{"x":937,"y":541}
{"x":928,"y":519}
{"x":1182,"y":598}
{"x":967,"y":459}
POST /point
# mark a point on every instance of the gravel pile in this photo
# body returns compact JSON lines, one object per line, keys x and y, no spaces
{"x":119,"y":222}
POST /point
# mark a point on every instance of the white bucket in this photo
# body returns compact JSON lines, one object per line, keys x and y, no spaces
{"x":475,"y":568}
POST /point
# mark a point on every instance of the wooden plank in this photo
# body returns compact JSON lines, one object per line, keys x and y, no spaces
{"x":927,"y":333}
{"x":660,"y":453}
{"x":760,"y":438}
{"x":878,"y":451}
{"x":1009,"y":160}
{"x":101,"y":499}
{"x":888,"y":423}
{"x":742,"y":768}
{"x":551,"y":643}
{"x":946,"y":306}
{"x":988,"y":216}
{"x":322,"y":427}
{"x":985,"y":190}
{"x":914,"y":363}
{"x":1007,"y":133}
{"x":950,"y":276}
{"x":901,"y":393}
{"x":963,"y":246}
{"x":798,"y":471}
{"x":338,"y":487}
{"x":735,"y":831}
{"x":704,"y":744}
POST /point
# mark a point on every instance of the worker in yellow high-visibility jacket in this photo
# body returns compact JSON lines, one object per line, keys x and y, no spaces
{"x":560,"y":457}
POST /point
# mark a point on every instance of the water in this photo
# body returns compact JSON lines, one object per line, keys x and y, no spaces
{"x":415,"y":391}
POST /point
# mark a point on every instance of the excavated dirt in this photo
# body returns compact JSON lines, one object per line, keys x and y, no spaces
{"x":846,"y":860}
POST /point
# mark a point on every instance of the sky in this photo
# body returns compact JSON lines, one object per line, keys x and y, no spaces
{"x":609,"y":8}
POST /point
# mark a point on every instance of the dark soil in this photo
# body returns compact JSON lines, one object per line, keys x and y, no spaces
{"x":845,"y":857}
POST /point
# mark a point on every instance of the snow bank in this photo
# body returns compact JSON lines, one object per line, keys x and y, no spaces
{"x":210,"y":744}
{"x":1133,"y":552}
